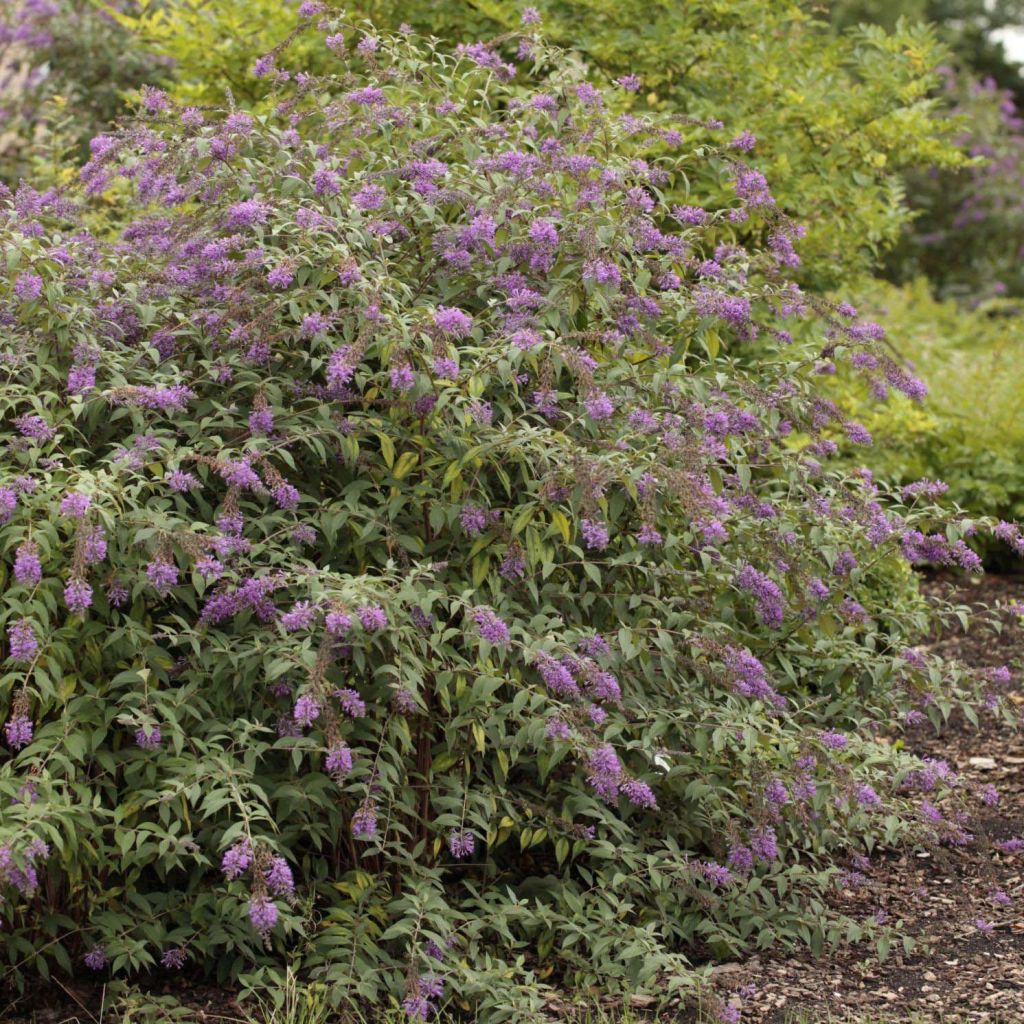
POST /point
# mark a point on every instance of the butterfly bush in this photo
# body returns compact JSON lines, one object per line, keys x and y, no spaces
{"x":421,"y":561}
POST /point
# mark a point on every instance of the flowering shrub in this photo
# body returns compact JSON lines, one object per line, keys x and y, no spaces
{"x":838,"y":118}
{"x":404,"y":579}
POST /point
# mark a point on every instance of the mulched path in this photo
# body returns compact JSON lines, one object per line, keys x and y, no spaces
{"x":957,"y":972}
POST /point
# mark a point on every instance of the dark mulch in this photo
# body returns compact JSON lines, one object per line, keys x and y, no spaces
{"x":956,"y":972}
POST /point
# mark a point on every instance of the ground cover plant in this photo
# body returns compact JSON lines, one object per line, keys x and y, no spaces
{"x":410,"y":576}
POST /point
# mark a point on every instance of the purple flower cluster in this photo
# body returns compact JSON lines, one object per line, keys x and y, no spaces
{"x":771,"y":605}
{"x":492,"y":629}
{"x":461,"y":844}
{"x":21,"y":641}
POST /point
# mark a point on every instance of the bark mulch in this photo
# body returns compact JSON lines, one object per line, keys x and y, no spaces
{"x":957,"y":971}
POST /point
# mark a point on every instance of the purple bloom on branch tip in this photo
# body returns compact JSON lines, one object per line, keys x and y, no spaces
{"x":163,"y":574}
{"x":81,"y":379}
{"x":21,"y":641}
{"x":28,"y":287}
{"x":78,"y":595}
{"x":372,"y":616}
{"x":639,"y":794}
{"x":28,"y":569}
{"x":236,"y":860}
{"x":402,"y":377}
{"x":595,"y":534}
{"x":75,"y":505}
{"x":491,"y":628}
{"x":453,"y":321}
{"x":461,"y":844}
{"x":261,"y":421}
{"x":771,"y":605}
{"x":262,"y":914}
{"x":279,"y":877}
{"x":307,"y":710}
{"x":148,"y":739}
{"x":173,"y":959}
{"x":18,"y":730}
{"x":599,"y":406}
{"x":338,"y":623}
{"x":8,"y":503}
{"x":649,"y":536}
{"x":369,"y":197}
{"x":338,"y":762}
{"x":301,"y":616}
{"x":182,"y":482}
{"x":95,"y":959}
{"x":364,"y":821}
{"x":764,"y":845}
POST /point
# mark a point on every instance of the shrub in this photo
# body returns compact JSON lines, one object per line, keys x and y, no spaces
{"x":970,"y":221}
{"x":838,"y":119}
{"x":404,"y":576}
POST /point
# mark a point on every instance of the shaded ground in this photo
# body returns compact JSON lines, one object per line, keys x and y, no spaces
{"x":958,"y":971}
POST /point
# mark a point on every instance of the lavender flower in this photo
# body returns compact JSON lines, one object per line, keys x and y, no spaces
{"x":771,"y":605}
{"x":18,"y":730}
{"x":372,"y":616}
{"x":338,"y":762}
{"x":236,"y":860}
{"x":364,"y":821}
{"x":21,"y":640}
{"x":173,"y":959}
{"x":148,"y":739}
{"x":28,"y":569}
{"x":461,"y":844}
{"x":279,"y":877}
{"x":605,"y":772}
{"x":338,"y":623}
{"x":95,"y":959}
{"x":301,"y":616}
{"x":453,"y":321}
{"x":263,"y":914}
{"x":28,"y":287}
{"x":307,"y":710}
{"x":75,"y":505}
{"x":492,"y":629}
{"x":78,"y":595}
{"x":595,"y":534}
{"x":163,"y":574}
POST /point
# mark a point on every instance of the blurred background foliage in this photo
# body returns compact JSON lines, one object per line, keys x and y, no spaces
{"x":970,"y":432}
{"x":889,"y":129}
{"x":67,"y":70}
